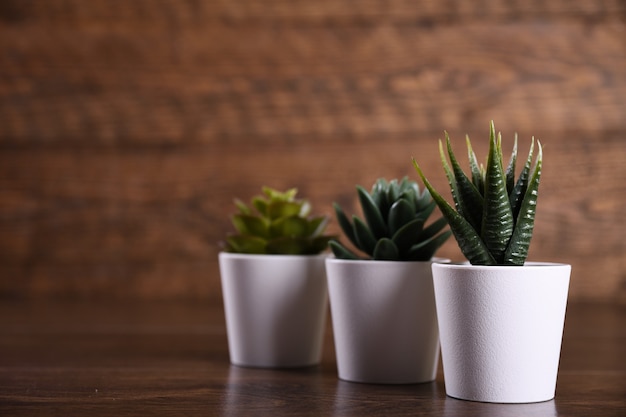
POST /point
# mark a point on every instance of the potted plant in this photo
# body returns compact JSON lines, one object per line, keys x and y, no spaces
{"x":382,"y":302}
{"x":274,"y":282}
{"x":500,"y":317}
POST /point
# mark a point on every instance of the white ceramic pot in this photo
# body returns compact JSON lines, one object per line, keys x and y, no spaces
{"x":275,"y":307}
{"x":384,"y":320}
{"x":501,"y":329}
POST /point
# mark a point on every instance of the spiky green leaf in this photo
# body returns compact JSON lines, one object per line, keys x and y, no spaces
{"x":275,"y":195}
{"x":426,"y":249}
{"x":406,"y":236}
{"x":510,"y":170}
{"x":423,"y":202}
{"x":246,"y":244}
{"x":379,"y":193}
{"x":470,"y":201}
{"x":519,"y":190}
{"x":400,"y":213}
{"x":292,"y":226}
{"x":247,"y":224}
{"x":317,"y":225}
{"x":425,"y":212}
{"x":458,"y":202}
{"x":279,"y":222}
{"x":287,"y":245}
{"x":340,"y":251}
{"x":345,"y":224}
{"x":498,"y":222}
{"x":243,"y":208}
{"x":396,"y":209}
{"x":432,"y":229}
{"x":372,"y":214}
{"x":277,"y":209}
{"x":260,"y":204}
{"x":478,"y":178}
{"x":319,"y":244}
{"x":517,"y":251}
{"x":386,"y":250}
{"x":468,"y":240}
{"x":365,"y":239}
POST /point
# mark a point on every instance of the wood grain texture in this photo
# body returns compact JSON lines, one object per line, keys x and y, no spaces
{"x":171,"y":358}
{"x":126,"y":132}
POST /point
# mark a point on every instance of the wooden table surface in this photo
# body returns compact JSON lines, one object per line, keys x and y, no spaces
{"x":171,"y":358}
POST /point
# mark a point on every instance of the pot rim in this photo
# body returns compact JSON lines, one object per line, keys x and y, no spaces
{"x":236,"y":255}
{"x":529,"y":264}
{"x":332,"y":259}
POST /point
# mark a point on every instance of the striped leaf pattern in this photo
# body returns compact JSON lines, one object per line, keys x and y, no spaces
{"x":517,"y":251}
{"x":501,"y":232}
{"x":497,"y":221}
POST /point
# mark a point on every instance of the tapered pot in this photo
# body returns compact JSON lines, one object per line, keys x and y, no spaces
{"x":275,"y":308}
{"x":501,"y":329}
{"x":384,"y":320}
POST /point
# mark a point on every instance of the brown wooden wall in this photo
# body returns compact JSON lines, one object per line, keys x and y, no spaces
{"x":128,"y":127}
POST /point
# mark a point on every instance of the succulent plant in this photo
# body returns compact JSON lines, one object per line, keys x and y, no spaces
{"x":495,"y":214}
{"x":394,"y":227}
{"x":277,"y":223}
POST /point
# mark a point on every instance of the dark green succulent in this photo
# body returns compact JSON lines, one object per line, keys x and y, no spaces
{"x":394,"y":227}
{"x":277,"y":223}
{"x":495,"y":214}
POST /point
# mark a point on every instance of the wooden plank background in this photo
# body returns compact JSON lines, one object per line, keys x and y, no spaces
{"x":127,"y":128}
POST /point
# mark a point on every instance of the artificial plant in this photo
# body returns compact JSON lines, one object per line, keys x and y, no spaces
{"x":277,"y":223}
{"x":394,"y":227}
{"x":494,"y":214}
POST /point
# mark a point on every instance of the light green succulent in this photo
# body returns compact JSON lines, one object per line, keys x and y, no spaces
{"x":277,"y":223}
{"x":494,"y":214}
{"x":394,"y":227}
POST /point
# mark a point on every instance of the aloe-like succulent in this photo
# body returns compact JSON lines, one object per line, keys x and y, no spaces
{"x":394,"y":227}
{"x":277,"y":223}
{"x":495,"y":214}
